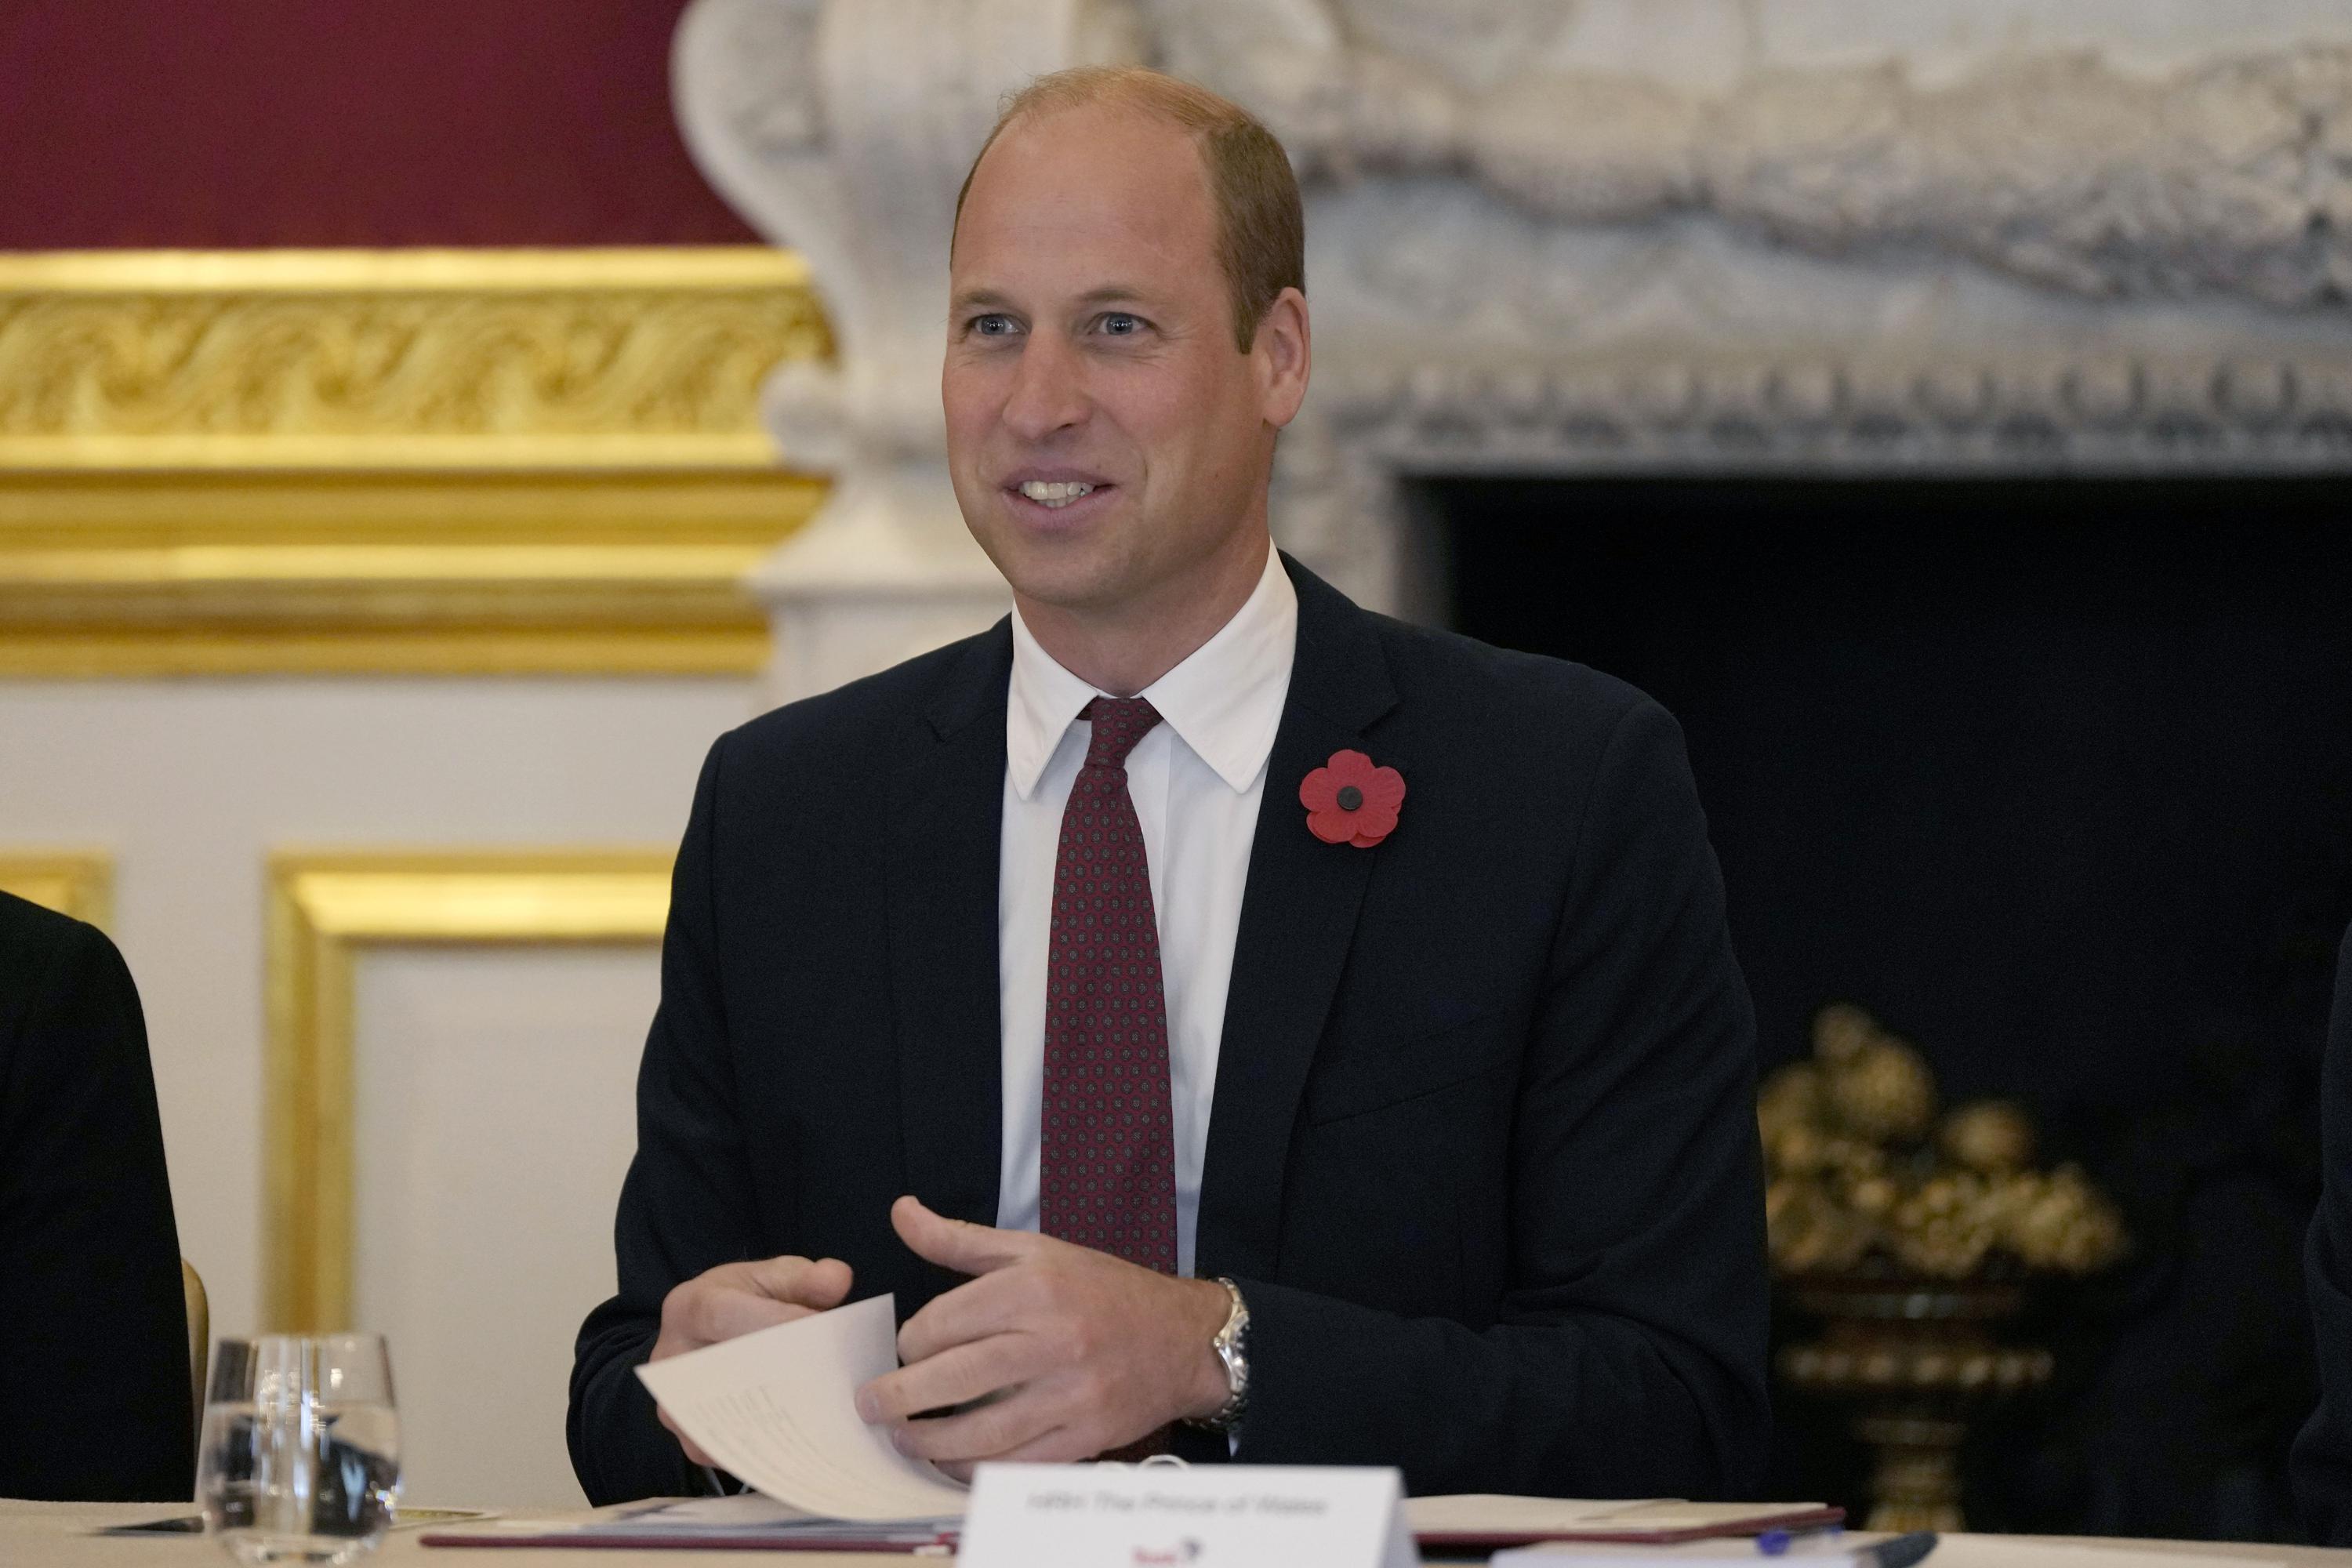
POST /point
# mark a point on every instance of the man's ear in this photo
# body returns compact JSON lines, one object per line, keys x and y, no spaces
{"x":1284,"y":351}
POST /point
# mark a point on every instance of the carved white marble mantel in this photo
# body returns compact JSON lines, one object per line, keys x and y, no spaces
{"x":1561,"y":236}
{"x":843,"y":128}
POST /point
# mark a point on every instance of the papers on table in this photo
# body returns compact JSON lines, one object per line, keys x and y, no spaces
{"x":745,"y":1522}
{"x":775,"y":1408}
{"x":1480,"y":1518}
{"x":2008,"y":1551}
{"x":1830,"y":1548}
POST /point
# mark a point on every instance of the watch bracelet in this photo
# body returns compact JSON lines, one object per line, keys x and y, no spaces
{"x":1231,"y":1346}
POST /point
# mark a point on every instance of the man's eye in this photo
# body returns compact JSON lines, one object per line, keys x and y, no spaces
{"x":1119,"y":324}
{"x":992,"y":326}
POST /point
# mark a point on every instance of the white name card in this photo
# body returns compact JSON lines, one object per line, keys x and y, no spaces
{"x":1164,"y":1516}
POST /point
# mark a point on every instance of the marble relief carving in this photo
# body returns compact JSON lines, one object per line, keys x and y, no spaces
{"x":843,"y":129}
{"x":1604,"y":237}
{"x":2064,"y":171}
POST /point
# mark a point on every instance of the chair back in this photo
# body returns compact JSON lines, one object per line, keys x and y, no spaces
{"x":200,"y":1339}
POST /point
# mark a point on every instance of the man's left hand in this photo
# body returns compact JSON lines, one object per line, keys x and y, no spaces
{"x":1071,"y":1352}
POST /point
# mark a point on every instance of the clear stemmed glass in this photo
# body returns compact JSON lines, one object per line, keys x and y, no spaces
{"x":300,"y":1460}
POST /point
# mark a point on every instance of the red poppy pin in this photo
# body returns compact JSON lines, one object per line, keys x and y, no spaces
{"x":1348,"y":800}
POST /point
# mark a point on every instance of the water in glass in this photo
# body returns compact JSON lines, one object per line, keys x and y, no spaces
{"x":300,"y":1460}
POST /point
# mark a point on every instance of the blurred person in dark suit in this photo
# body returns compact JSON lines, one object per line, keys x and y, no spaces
{"x":2323,"y":1454}
{"x":93,"y":1326}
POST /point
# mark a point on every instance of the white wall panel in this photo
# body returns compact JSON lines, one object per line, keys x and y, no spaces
{"x":494,"y":1125}
{"x":191,"y":783}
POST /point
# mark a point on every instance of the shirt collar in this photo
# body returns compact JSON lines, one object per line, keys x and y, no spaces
{"x":1223,"y":701}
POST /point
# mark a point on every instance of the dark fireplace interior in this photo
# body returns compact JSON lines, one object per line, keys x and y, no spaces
{"x":2055,"y":777}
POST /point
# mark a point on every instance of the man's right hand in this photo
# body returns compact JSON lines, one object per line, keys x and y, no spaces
{"x":738,"y":1297}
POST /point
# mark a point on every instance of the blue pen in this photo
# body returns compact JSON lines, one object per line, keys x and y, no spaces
{"x":1774,"y":1542}
{"x":1896,"y":1552}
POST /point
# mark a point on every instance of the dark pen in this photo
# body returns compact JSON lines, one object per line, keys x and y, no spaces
{"x":1897,"y":1552}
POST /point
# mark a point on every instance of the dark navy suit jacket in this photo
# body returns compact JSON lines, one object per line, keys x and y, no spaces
{"x":2323,"y":1454}
{"x":93,"y":1326}
{"x":1482,"y":1152}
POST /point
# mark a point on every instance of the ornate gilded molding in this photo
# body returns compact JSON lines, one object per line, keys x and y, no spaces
{"x":343,"y":358}
{"x":421,"y":462}
{"x":325,"y":909}
{"x":76,"y":882}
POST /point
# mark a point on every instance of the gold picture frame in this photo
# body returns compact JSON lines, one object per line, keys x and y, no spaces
{"x":400,"y":461}
{"x":324,"y":909}
{"x":76,"y":882}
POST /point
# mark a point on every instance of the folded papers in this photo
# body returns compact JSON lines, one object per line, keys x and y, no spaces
{"x":775,"y":1408}
{"x":746,"y":1521}
{"x":1489,"y":1521}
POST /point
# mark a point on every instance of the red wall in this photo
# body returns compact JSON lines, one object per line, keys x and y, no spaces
{"x":368,"y":122}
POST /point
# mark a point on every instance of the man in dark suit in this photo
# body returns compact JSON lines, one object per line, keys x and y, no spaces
{"x":1221,"y":1016}
{"x":2323,"y":1454}
{"x":93,"y":1327}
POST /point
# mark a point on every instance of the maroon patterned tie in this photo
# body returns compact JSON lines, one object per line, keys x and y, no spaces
{"x":1106,"y":1151}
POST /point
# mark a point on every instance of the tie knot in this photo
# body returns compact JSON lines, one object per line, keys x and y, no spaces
{"x":1120,"y":722}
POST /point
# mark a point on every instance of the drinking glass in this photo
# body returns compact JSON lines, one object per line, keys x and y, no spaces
{"x":299,"y":1461}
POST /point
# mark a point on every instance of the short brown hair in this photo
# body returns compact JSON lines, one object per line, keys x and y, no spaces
{"x":1261,"y":229}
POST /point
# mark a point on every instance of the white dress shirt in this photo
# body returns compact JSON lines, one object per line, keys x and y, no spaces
{"x":1196,"y":780}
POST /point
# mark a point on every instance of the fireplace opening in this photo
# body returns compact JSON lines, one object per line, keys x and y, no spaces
{"x":2055,"y":778}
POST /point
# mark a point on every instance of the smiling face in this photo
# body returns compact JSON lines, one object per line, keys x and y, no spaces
{"x":1108,"y":442}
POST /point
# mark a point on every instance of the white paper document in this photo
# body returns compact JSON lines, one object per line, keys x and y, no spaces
{"x":1236,"y":1516}
{"x":776,"y":1408}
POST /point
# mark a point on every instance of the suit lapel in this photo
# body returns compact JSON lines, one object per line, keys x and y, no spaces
{"x":1298,"y":920}
{"x":946,"y":819}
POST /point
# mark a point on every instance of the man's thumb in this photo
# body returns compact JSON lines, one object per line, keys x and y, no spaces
{"x":820,"y":1285}
{"x":951,"y":1244}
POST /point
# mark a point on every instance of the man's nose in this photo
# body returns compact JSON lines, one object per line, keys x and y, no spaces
{"x":1047,"y":395}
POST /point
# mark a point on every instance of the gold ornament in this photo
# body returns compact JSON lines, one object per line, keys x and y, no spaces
{"x":2060,"y":1221}
{"x":1789,"y":1098}
{"x":1811,"y":1230}
{"x":1861,"y":1168}
{"x":1907,"y":1238}
{"x":1990,"y":1136}
{"x":1841,"y":1030}
{"x":1883,"y":1091}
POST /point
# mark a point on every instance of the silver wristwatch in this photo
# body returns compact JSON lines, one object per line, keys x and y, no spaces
{"x":1232,"y":1345}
